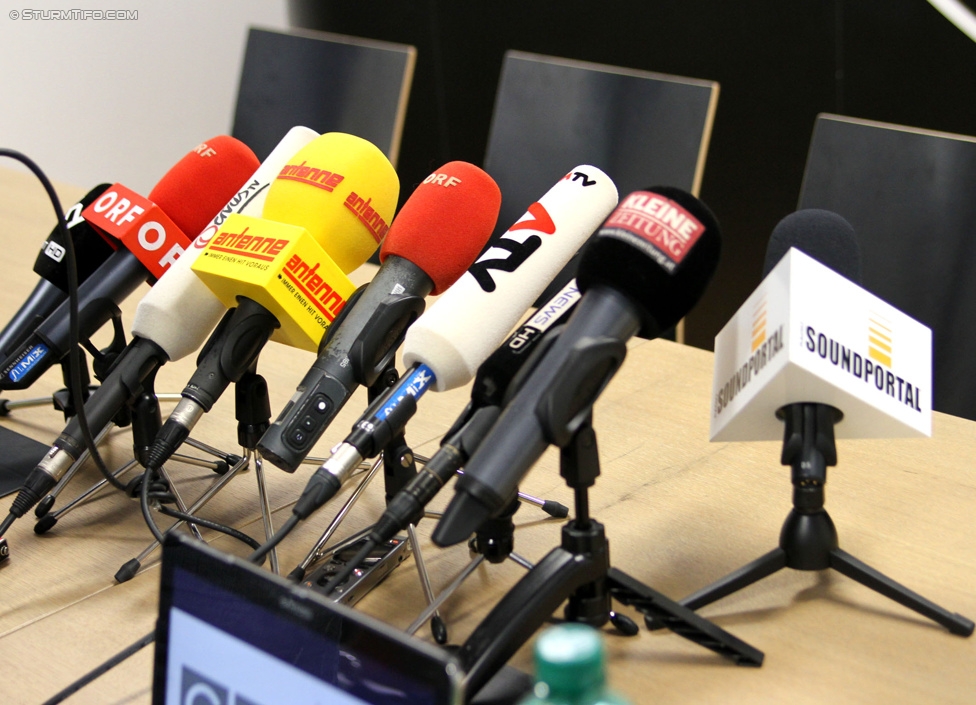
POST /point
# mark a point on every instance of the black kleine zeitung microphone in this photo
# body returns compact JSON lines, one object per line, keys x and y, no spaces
{"x":640,"y":274}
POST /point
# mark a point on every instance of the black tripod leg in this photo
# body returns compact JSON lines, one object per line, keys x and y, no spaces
{"x":845,"y":563}
{"x":521,"y":612}
{"x":680,"y":619}
{"x":736,"y":580}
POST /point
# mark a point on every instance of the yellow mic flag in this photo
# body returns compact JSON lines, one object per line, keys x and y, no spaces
{"x":281,"y":267}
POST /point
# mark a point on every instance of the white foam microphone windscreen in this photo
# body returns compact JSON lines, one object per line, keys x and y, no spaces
{"x":458,"y":332}
{"x":179,"y":312}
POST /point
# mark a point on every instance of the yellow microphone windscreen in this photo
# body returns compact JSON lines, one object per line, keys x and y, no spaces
{"x":343,"y":190}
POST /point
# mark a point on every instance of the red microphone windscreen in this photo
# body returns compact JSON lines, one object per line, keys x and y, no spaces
{"x":194,"y":190}
{"x":445,"y":223}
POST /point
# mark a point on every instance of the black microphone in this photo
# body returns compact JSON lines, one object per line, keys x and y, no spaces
{"x":645,"y":268}
{"x":153,"y":235}
{"x":191,"y":191}
{"x":92,"y":247}
{"x":821,"y":234}
{"x":51,"y":291}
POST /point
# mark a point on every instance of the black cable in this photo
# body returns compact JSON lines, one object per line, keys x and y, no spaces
{"x":208,"y":524}
{"x":74,"y":352}
{"x":6,"y":523}
{"x":144,"y":505}
{"x":98,"y":671}
{"x":258,"y":556}
{"x":145,"y":496}
{"x":347,"y":570}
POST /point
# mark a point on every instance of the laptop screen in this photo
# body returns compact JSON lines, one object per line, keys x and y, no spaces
{"x":230,"y":633}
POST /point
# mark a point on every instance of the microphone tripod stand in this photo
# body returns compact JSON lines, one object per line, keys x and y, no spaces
{"x":579,"y":569}
{"x":808,"y":539}
{"x":494,"y":542}
{"x":145,"y":418}
{"x":253,"y":413}
{"x":103,"y":362}
{"x":61,"y":401}
{"x":399,"y":465}
{"x":141,"y":412}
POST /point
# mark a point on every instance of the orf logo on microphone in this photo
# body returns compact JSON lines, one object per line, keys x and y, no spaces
{"x":141,"y":225}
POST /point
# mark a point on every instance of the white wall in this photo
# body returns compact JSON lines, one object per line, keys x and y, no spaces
{"x":123,"y":100}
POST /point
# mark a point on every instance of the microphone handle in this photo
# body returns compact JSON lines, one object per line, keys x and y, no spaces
{"x":552,"y":403}
{"x":43,"y":300}
{"x":98,"y":299}
{"x":407,"y":506}
{"x":363,"y":344}
{"x":493,"y":382}
{"x":233,"y":351}
{"x":124,"y":382}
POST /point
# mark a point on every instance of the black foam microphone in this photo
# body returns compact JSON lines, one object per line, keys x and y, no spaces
{"x":51,"y":291}
{"x":646,"y":267}
{"x":821,"y":234}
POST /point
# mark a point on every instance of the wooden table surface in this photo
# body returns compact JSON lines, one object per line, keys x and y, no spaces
{"x":680,"y":512}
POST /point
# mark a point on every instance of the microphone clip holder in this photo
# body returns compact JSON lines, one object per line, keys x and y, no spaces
{"x":808,"y":539}
{"x":104,"y":360}
{"x":142,"y":412}
{"x":62,"y":399}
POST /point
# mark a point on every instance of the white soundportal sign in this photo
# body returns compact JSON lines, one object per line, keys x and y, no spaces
{"x":807,"y":334}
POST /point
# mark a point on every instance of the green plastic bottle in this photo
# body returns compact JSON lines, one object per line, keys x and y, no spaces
{"x":570,"y":668}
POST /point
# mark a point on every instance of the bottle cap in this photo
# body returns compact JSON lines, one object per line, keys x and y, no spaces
{"x":569,"y":658}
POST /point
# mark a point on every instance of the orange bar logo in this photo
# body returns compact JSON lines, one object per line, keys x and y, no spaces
{"x":879,"y":340}
{"x":759,"y":324}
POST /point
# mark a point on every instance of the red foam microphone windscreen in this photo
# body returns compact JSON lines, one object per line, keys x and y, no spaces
{"x":446,"y":222}
{"x":202,"y":182}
